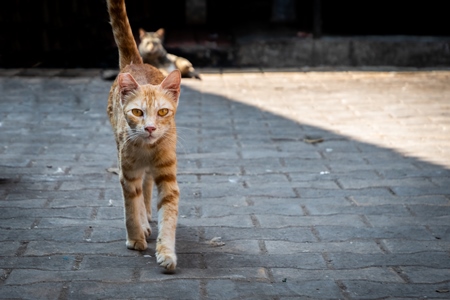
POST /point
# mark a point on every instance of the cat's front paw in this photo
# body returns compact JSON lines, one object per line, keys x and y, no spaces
{"x":166,"y":258}
{"x":136,"y":245}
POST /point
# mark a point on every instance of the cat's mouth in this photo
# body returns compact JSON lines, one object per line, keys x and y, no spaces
{"x":151,"y":138}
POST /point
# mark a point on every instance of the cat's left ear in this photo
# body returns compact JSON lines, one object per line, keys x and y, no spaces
{"x":172,"y":84}
{"x":127,"y":85}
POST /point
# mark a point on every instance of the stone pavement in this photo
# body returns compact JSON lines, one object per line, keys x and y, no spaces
{"x":294,"y":185}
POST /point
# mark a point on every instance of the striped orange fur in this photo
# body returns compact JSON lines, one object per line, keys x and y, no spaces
{"x":141,"y":108}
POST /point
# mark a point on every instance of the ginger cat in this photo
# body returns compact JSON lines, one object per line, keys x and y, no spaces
{"x":141,"y":107}
{"x":153,"y":52}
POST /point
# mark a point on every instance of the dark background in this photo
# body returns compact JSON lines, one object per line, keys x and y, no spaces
{"x":76,"y":33}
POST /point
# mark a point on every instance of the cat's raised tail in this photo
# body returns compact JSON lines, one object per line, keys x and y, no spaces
{"x":128,"y":51}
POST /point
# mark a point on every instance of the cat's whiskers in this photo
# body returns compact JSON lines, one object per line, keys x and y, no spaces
{"x":131,"y":137}
{"x":179,"y":138}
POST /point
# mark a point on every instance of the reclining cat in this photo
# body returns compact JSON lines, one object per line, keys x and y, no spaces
{"x":153,"y":52}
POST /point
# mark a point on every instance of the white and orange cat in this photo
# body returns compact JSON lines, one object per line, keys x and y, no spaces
{"x":141,"y":107}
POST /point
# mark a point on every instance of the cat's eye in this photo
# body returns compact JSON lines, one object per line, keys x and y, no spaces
{"x":137,"y":112}
{"x":162,"y":112}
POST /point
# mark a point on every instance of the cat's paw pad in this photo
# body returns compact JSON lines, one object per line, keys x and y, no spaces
{"x":136,"y":245}
{"x":166,"y":259}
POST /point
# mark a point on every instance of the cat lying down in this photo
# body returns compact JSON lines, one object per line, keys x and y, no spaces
{"x":153,"y":52}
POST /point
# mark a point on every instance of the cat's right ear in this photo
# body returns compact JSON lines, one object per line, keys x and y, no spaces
{"x":160,"y":32}
{"x":127,"y":85}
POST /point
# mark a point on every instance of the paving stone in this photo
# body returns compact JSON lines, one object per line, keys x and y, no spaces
{"x":227,"y":289}
{"x":297,"y":234}
{"x":9,"y":248}
{"x":283,"y":247}
{"x":413,"y":245}
{"x":279,"y":221}
{"x":44,"y":263}
{"x":27,"y":276}
{"x":42,"y":290}
{"x":299,"y":261}
{"x":233,"y":247}
{"x":369,"y":274}
{"x":364,"y":260}
{"x":235,"y":273}
{"x":371,"y":290}
{"x":381,"y":221}
{"x":346,"y":233}
{"x":425,"y":274}
{"x":180,"y":289}
{"x":115,"y":248}
{"x":401,"y":200}
{"x":35,"y":234}
{"x":325,"y":209}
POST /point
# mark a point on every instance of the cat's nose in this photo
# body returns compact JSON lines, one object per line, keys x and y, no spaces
{"x":150,"y":129}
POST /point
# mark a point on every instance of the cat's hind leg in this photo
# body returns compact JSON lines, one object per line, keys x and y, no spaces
{"x":147,"y":187}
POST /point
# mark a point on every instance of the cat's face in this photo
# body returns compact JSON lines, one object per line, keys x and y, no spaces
{"x":151,"y":43}
{"x":149,"y":110}
{"x":149,"y":114}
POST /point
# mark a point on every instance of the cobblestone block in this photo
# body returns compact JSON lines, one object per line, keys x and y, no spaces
{"x":370,"y":290}
{"x":343,"y":233}
{"x":42,"y":290}
{"x":288,"y":248}
{"x":364,"y":260}
{"x":179,"y":289}
{"x":370,"y":274}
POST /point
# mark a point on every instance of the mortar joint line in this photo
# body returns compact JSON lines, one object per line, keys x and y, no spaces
{"x":380,"y":243}
{"x":77,"y":262}
{"x":64,"y":293}
{"x":343,"y":289}
{"x":5,"y":276}
{"x":328,"y":261}
{"x":366,"y":221}
{"x":203,"y":290}
{"x":398,"y":270}
{"x":269,"y":275}
{"x":352,"y":201}
{"x":22,"y":248}
{"x":136,"y":275}
{"x":338,"y":183}
{"x":315,"y":233}
{"x":305,"y":210}
{"x":35,"y":223}
{"x":411,"y":212}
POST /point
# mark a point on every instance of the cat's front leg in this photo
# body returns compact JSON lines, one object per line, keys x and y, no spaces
{"x":168,"y":197}
{"x":134,"y":210}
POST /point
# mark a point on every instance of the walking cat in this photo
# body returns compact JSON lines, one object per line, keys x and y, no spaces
{"x":142,"y":105}
{"x":153,"y":52}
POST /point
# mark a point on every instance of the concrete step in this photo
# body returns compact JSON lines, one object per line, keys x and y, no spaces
{"x":296,"y":49}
